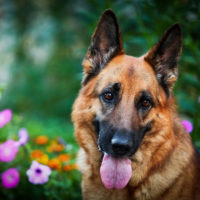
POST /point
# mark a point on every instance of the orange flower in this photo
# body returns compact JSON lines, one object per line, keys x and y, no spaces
{"x":41,"y":140}
{"x":36,"y":154}
{"x":70,"y":167}
{"x":58,"y":148}
{"x":54,"y":163}
{"x":64,"y":157}
{"x":55,"y":147}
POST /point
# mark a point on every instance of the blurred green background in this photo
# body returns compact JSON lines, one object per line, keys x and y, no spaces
{"x":42,"y":44}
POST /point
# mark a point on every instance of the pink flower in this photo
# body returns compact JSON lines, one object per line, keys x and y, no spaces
{"x":23,"y":136}
{"x":188,"y":125}
{"x":8,"y":150}
{"x":38,"y":173}
{"x":10,"y":178}
{"x":5,"y":117}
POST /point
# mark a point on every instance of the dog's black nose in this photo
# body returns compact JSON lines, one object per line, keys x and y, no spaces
{"x":121,"y":144}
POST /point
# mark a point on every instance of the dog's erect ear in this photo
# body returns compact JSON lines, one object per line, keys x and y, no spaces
{"x":164,"y":56}
{"x":106,"y":43}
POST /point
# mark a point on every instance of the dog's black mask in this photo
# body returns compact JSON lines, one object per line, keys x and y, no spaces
{"x":118,"y":142}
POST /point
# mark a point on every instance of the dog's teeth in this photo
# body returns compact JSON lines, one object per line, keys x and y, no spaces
{"x":99,"y":147}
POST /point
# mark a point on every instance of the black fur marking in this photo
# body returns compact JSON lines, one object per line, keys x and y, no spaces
{"x":145,"y":129}
{"x":89,"y":76}
{"x":96,"y":125}
{"x":117,"y":86}
{"x":165,"y":86}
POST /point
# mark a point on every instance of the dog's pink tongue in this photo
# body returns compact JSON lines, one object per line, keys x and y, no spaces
{"x":115,"y":172}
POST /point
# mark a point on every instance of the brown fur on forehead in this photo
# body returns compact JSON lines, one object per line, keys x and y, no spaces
{"x":134,"y":74}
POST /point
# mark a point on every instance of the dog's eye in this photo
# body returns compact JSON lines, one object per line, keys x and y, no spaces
{"x":108,"y":96}
{"x":145,"y":103}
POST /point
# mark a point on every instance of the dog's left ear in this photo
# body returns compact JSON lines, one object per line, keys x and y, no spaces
{"x":164,"y":56}
{"x":106,"y":43}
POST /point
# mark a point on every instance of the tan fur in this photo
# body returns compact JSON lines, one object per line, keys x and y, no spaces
{"x":165,"y":167}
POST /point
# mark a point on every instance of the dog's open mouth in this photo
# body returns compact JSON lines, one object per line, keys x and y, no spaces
{"x":115,"y":172}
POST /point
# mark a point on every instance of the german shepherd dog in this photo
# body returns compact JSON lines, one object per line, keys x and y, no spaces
{"x":133,"y":145}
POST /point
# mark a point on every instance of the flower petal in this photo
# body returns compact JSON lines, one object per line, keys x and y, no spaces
{"x":10,"y":178}
{"x":23,"y":136}
{"x":5,"y":117}
{"x":8,"y":150}
{"x":35,"y":177}
{"x":188,"y":125}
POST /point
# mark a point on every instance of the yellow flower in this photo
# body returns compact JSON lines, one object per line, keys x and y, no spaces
{"x":44,"y":159}
{"x":70,"y":167}
{"x":36,"y":154}
{"x":49,"y":149}
{"x":41,"y":140}
{"x":54,"y":163}
{"x":64,"y":157}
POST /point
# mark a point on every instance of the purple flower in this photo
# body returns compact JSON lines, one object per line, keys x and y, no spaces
{"x":198,"y":99}
{"x":23,"y":136}
{"x":10,"y":178}
{"x":188,"y":125}
{"x":38,"y":173}
{"x":5,"y":117}
{"x":8,"y":150}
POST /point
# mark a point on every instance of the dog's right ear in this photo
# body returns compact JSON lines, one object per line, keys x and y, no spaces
{"x":106,"y":43}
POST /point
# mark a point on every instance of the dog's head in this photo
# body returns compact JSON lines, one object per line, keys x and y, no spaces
{"x":129,"y":97}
